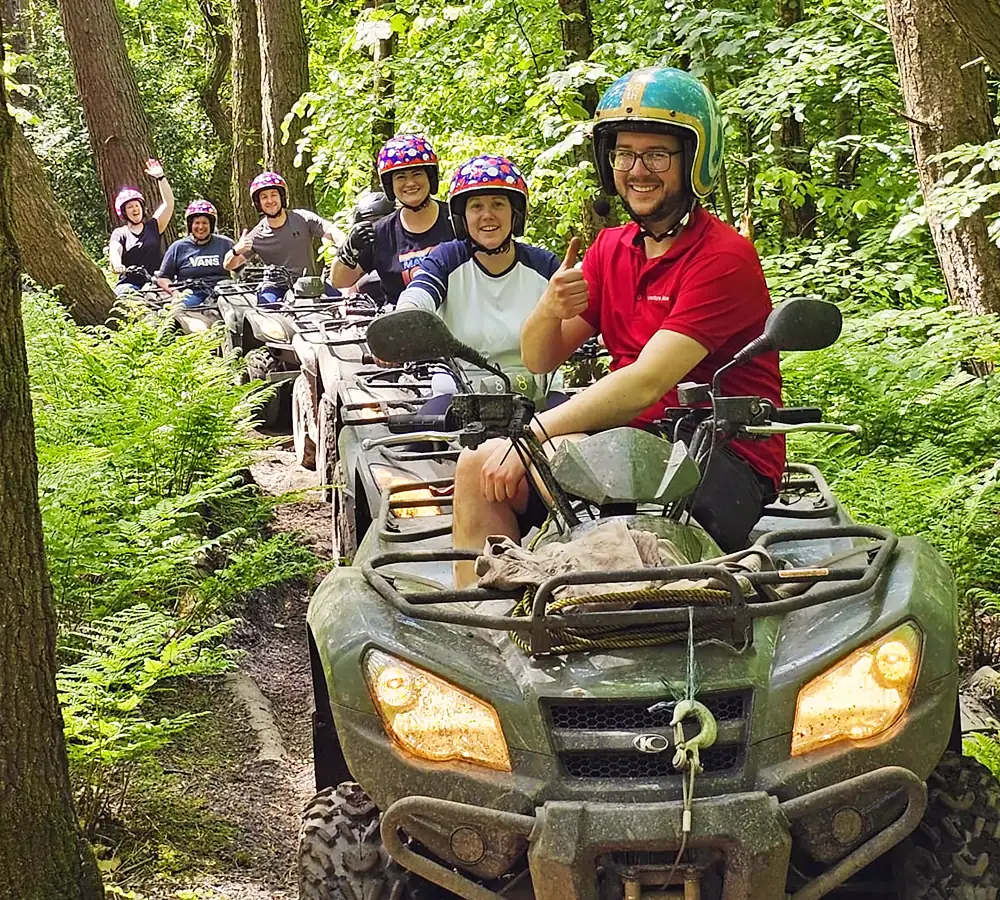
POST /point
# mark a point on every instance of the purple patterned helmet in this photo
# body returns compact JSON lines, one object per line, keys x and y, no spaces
{"x":406,"y":151}
{"x":488,"y":174}
{"x":201,"y":208}
{"x":269,"y":180}
{"x":127,"y":195}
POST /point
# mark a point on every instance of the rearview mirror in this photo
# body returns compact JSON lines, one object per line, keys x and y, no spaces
{"x":414,"y":335}
{"x":799,"y":324}
{"x":803,"y":324}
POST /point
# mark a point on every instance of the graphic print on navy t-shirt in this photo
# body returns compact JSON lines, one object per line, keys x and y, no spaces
{"x":397,"y":253}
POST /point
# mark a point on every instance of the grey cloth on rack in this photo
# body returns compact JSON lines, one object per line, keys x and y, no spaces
{"x":505,"y":565}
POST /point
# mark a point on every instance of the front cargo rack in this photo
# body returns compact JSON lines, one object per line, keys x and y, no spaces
{"x":735,"y":597}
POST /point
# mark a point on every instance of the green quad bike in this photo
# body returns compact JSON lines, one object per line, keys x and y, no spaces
{"x":781,"y":722}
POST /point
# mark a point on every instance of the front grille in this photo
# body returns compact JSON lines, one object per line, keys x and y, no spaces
{"x":630,"y":715}
{"x":619,"y":764}
{"x":594,"y":738}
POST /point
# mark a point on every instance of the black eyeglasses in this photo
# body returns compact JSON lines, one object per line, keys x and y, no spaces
{"x":653,"y":160}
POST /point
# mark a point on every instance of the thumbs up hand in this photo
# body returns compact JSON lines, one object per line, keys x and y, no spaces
{"x":567,"y":295}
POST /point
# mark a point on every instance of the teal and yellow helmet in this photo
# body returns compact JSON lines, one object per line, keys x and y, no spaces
{"x":660,"y":98}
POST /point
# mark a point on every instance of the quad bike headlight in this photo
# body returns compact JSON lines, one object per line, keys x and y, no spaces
{"x":273,"y":329}
{"x":861,"y":696}
{"x":432,"y":719}
{"x":197,"y":325}
{"x":385,"y":477}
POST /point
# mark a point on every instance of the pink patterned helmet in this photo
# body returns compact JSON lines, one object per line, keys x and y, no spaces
{"x":127,"y":195}
{"x":201,"y":208}
{"x":269,"y":180}
{"x":406,"y":151}
{"x":488,"y":174}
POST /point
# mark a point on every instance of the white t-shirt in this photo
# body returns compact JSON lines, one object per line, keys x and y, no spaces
{"x":486,"y":311}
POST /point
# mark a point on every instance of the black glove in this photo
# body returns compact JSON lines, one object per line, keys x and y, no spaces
{"x":360,"y":241}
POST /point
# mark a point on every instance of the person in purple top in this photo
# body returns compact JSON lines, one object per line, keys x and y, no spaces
{"x":138,"y":243}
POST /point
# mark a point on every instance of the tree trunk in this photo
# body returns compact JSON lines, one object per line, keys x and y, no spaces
{"x":119,"y":133}
{"x":946,"y":105}
{"x":284,"y":58}
{"x":578,"y":44}
{"x":384,"y":123}
{"x":792,"y":151}
{"x":980,"y":22}
{"x":50,"y":250}
{"x":248,"y":148}
{"x":42,"y":852}
{"x":221,"y":52}
{"x":10,"y":17}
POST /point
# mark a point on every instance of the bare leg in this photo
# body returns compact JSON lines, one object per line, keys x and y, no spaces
{"x":474,"y":518}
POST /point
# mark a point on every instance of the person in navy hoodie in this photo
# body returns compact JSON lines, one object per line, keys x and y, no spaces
{"x":485,"y":284}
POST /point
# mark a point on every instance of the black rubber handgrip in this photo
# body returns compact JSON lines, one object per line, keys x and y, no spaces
{"x":405,"y":423}
{"x":797,"y":415}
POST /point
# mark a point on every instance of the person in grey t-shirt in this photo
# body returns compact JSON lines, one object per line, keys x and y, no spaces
{"x":283,"y":237}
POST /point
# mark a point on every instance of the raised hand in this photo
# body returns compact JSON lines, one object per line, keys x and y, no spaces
{"x":244,"y":245}
{"x":567,"y":295}
{"x":360,"y":239}
{"x":154,"y":168}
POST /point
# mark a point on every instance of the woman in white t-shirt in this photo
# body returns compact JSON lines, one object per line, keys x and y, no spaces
{"x":485,"y":284}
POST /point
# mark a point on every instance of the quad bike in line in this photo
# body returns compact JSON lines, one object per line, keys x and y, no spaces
{"x":778,"y":722}
{"x":262,"y":332}
{"x":363,"y":415}
{"x":348,"y":400}
{"x":175,"y":304}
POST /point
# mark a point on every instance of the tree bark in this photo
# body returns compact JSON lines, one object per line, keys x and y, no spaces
{"x":248,"y":148}
{"x":220,"y":55}
{"x":578,"y":44}
{"x":793,"y":153}
{"x":284,"y":57}
{"x":980,"y":22}
{"x":42,"y":852}
{"x":52,"y":253}
{"x":384,"y":123}
{"x":945,"y":106}
{"x":119,"y":133}
{"x":10,"y":17}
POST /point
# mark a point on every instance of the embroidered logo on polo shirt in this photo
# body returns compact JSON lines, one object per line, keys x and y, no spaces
{"x":658,"y":298}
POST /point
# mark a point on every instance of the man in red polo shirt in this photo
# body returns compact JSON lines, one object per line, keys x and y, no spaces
{"x":676,"y":293}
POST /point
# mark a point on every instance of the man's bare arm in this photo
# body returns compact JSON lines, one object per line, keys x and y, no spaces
{"x":624,"y":394}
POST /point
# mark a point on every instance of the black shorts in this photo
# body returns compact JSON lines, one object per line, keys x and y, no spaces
{"x":729,"y":501}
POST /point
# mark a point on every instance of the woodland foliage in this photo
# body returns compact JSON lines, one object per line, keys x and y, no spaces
{"x":142,"y":437}
{"x":152,"y":532}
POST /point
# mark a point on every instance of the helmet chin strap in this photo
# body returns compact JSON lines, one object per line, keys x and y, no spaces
{"x":419,"y":207}
{"x":683,"y":216}
{"x":496,"y":251}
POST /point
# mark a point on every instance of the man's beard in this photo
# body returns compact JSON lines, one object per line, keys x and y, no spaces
{"x":666,"y":215}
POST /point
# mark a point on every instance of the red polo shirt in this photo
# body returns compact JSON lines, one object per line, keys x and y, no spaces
{"x":709,"y":286}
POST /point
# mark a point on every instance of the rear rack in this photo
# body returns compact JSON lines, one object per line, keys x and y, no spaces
{"x":392,"y":534}
{"x":824,"y":508}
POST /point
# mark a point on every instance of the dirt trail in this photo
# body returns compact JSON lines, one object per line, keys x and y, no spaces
{"x":249,"y":768}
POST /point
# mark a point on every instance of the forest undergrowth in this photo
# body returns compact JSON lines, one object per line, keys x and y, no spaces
{"x":154,"y":533}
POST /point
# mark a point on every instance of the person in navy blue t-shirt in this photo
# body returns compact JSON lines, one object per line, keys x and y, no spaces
{"x":395,"y":246}
{"x":197,"y":257}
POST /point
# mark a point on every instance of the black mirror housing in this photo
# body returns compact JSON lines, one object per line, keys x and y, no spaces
{"x":415,"y":335}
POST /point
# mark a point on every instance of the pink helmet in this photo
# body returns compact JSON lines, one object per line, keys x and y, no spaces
{"x":201,"y":208}
{"x":488,"y":174}
{"x":406,"y":151}
{"x":126,"y":195}
{"x":269,"y":180}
